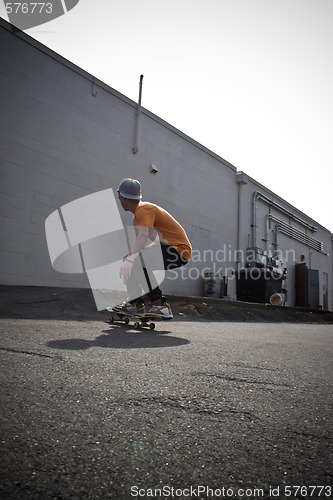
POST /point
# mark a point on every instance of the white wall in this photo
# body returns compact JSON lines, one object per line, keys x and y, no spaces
{"x":64,"y":135}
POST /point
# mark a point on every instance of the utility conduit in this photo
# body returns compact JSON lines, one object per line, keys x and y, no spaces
{"x":256,"y":196}
{"x":135,"y":149}
{"x":292,"y":232}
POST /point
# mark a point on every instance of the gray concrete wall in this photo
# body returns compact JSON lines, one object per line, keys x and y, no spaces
{"x":65,"y":135}
{"x":290,"y":248}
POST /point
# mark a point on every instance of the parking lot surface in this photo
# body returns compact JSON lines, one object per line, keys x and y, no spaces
{"x":197,"y":408}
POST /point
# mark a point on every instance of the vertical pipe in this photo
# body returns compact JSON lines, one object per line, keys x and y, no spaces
{"x":254,"y":219}
{"x":240,"y":179}
{"x":238,"y":227}
{"x":135,"y":149}
{"x":268,"y":216}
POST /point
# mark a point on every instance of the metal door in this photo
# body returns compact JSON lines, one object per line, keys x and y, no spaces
{"x":300,"y":285}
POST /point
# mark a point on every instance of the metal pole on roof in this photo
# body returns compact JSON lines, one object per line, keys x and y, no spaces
{"x":138,"y":120}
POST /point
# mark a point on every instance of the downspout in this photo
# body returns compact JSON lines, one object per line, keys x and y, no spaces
{"x":238,"y":228}
{"x":241,"y":179}
{"x":135,"y":149}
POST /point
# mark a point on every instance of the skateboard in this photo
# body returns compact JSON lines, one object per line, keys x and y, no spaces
{"x":146,"y":321}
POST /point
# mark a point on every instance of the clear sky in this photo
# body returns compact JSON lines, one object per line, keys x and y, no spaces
{"x":252,"y":80}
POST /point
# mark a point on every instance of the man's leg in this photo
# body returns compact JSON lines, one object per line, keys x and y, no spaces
{"x":140,"y":280}
{"x":171,"y":260}
{"x":135,"y":285}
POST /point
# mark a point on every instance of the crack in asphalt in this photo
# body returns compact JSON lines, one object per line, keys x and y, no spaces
{"x":310,"y":435}
{"x":30,"y":353}
{"x":249,"y":367}
{"x":193,"y":405}
{"x":240,"y":380}
{"x":38,"y":302}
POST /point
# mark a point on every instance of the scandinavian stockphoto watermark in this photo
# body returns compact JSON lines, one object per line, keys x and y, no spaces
{"x":87,"y":236}
{"x":25,"y":15}
{"x":229,"y":262}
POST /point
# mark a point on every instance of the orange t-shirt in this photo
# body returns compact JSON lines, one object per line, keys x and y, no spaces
{"x":170,"y":232}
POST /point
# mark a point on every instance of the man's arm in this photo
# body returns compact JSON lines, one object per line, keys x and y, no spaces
{"x":140,"y":243}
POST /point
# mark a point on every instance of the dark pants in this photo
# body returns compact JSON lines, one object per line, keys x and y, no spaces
{"x":171,"y":260}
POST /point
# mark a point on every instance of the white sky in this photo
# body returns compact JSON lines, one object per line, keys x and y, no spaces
{"x":252,"y":80}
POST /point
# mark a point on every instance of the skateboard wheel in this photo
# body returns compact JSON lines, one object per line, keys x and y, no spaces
{"x":127,"y":320}
{"x":152,"y":326}
{"x":111,"y":319}
{"x":136,"y":325}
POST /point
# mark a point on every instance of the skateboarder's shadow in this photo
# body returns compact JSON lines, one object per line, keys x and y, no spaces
{"x":120,"y":339}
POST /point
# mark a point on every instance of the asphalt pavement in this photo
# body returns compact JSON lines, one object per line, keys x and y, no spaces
{"x":197,"y":408}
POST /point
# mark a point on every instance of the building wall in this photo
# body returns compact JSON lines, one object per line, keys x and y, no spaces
{"x":65,"y":135}
{"x":291,"y":250}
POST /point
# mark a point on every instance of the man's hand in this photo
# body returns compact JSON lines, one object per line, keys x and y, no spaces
{"x":140,"y":242}
{"x":125,"y":270}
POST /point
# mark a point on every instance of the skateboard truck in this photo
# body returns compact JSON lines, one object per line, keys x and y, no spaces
{"x":140,"y":321}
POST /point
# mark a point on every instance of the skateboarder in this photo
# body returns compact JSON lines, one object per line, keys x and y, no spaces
{"x":175,"y":246}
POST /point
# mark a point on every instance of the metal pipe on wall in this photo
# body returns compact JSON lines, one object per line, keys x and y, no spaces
{"x":241,"y":179}
{"x":256,"y":196}
{"x":135,"y":149}
{"x":290,"y":231}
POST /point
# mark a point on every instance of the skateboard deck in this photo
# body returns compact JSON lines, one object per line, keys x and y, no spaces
{"x":145,"y":321}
